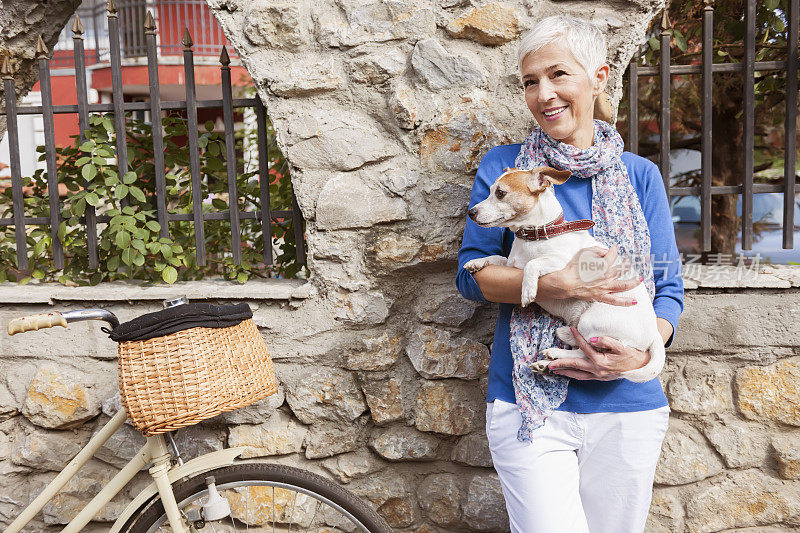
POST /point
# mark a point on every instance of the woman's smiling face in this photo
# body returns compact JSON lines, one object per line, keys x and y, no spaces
{"x":560,"y":94}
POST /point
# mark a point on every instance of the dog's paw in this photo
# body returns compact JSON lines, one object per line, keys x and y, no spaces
{"x":476,"y":264}
{"x":564,"y":333}
{"x":550,"y":353}
{"x":541,"y":367}
{"x":528,"y":295}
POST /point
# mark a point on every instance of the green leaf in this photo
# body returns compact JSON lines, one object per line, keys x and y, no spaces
{"x":771,"y":5}
{"x":169,"y":275}
{"x":680,"y":41}
{"x":92,"y":199}
{"x":137,"y":193}
{"x":219,"y":204}
{"x":242,"y":277}
{"x":88,"y":172}
{"x":138,"y":259}
{"x":128,"y":210}
{"x":129,"y":177}
{"x":127,"y":256}
{"x":139,"y":245}
{"x":152,"y":225}
{"x":87,"y":146}
{"x":123,"y":239}
{"x":110,"y":181}
{"x":209,"y":125}
{"x":82,"y":161}
{"x":654,"y":43}
{"x":38,"y":274}
{"x":41,"y":244}
{"x":79,"y":207}
{"x":62,"y":231}
{"x":121,"y":191}
{"x":166,"y":251}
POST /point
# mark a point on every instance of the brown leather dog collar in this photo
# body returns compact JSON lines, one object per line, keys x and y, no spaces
{"x":552,"y":229}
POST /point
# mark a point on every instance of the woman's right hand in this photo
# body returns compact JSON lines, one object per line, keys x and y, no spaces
{"x":598,"y":284}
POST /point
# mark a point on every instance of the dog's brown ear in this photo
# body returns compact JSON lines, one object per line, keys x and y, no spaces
{"x":536,"y":181}
{"x":555,"y":176}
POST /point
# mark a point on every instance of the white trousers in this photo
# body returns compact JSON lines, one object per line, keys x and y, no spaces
{"x":580,"y":473}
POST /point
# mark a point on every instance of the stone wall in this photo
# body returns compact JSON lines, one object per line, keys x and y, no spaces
{"x":384,"y":109}
{"x":398,"y":417}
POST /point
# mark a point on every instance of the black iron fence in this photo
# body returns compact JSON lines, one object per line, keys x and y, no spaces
{"x":156,"y":107}
{"x":171,"y":16}
{"x":707,"y":68}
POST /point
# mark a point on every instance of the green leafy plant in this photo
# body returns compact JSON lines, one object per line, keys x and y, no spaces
{"x":129,"y":243}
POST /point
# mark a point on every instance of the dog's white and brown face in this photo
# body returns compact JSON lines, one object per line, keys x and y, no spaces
{"x":519,"y":198}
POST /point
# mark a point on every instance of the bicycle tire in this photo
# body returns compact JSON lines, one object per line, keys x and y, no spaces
{"x":153,"y":511}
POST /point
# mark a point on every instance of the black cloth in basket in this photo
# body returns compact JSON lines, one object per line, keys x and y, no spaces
{"x":179,"y":318}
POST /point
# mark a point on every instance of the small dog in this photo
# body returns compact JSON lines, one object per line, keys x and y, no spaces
{"x":524,"y":201}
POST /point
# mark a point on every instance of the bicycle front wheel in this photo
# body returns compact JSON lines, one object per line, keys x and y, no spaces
{"x":266,"y":497}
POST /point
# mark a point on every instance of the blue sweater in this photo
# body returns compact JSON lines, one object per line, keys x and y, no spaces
{"x":575,"y":197}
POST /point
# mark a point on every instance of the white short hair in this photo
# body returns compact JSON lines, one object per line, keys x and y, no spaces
{"x":585,"y":40}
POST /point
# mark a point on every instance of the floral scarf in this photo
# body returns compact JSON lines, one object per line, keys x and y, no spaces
{"x":618,"y":219}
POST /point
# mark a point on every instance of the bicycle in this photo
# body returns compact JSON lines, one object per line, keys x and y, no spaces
{"x":218,"y":489}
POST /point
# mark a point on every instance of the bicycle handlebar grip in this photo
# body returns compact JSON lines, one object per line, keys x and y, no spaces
{"x":36,"y":322}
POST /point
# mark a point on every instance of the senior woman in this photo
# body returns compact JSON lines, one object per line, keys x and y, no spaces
{"x":577,"y":451}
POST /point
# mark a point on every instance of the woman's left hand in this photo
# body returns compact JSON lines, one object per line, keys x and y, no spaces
{"x":607,"y":359}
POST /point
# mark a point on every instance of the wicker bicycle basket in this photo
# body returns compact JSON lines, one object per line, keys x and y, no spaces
{"x":176,"y":380}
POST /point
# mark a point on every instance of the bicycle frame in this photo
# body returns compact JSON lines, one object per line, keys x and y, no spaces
{"x":154,"y":451}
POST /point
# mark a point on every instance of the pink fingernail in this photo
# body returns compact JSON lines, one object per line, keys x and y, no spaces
{"x":593,"y":339}
{"x":641,"y":279}
{"x":635,"y":302}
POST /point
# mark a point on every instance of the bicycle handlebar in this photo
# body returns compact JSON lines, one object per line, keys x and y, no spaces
{"x":36,"y":322}
{"x":48,"y":320}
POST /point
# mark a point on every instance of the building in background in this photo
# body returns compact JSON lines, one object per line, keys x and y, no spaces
{"x":172,"y":17}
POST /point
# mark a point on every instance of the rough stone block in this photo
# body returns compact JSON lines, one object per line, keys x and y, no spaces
{"x":378,"y":67}
{"x":374,"y":353}
{"x":492,"y":23}
{"x":349,"y":466}
{"x":322,"y":393}
{"x":340,"y":140}
{"x":717,"y":322}
{"x":435,"y":354}
{"x":440,"y":70}
{"x":399,"y":443}
{"x":473,"y":450}
{"x":770,"y":392}
{"x":347,"y":202}
{"x":485,"y":508}
{"x":326,"y":441}
{"x":258,"y":412}
{"x":45,"y":450}
{"x":60,"y":397}
{"x":787,"y":454}
{"x":740,"y":444}
{"x":80,"y":489}
{"x":744,"y":499}
{"x":393,"y":251}
{"x":278,"y":436}
{"x":385,"y":400}
{"x":309,"y":78}
{"x":361,"y":307}
{"x":372,"y":21}
{"x":685,"y":456}
{"x":440,"y":496}
{"x":282,"y":25}
{"x":404,"y":105}
{"x":446,"y":309}
{"x":701,"y":388}
{"x":448,"y":407}
{"x":666,"y":512}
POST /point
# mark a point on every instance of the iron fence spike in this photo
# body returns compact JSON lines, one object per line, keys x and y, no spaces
{"x":41,"y":48}
{"x":223,"y":57}
{"x":186,"y":41}
{"x":111,"y":7}
{"x":149,"y":22}
{"x":665,"y":25}
{"x":77,"y":25}
{"x":709,"y":4}
{"x":7,"y":70}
